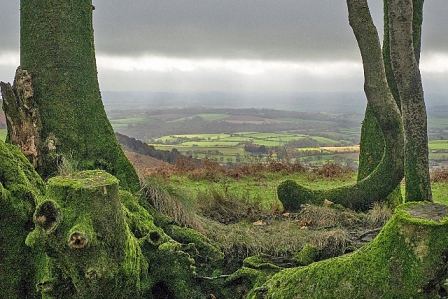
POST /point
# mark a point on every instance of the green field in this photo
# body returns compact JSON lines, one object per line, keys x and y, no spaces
{"x":267,"y":139}
{"x":3,"y":134}
{"x":226,"y":148}
{"x":438,"y":145}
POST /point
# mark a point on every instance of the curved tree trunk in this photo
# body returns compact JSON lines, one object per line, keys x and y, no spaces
{"x":372,"y":141}
{"x":57,"y":51}
{"x":388,"y":174}
{"x":404,"y":30}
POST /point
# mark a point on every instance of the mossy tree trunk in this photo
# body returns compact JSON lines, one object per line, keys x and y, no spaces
{"x":57,"y":51}
{"x":389,"y":172}
{"x":372,"y":142}
{"x":404,"y":52}
{"x":408,"y":259}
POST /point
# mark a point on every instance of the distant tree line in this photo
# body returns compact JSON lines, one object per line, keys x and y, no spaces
{"x":255,"y":148}
{"x":303,"y":143}
{"x":142,"y":148}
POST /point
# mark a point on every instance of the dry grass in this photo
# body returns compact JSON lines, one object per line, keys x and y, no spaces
{"x":279,"y":239}
{"x":216,"y":204}
{"x":213,"y":171}
{"x":172,"y":203}
{"x":379,"y":215}
{"x":326,"y":217}
{"x":439,"y":176}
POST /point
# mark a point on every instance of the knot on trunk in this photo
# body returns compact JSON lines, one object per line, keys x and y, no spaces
{"x":48,"y":216}
{"x":78,"y":240}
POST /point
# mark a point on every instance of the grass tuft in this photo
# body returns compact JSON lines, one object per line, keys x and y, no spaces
{"x":172,"y":203}
{"x":67,"y":165}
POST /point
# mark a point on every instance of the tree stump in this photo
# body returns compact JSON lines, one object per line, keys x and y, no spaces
{"x":408,"y":259}
{"x":81,"y":227}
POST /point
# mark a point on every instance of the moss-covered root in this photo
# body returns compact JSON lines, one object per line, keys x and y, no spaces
{"x":408,"y":259}
{"x":358,"y":196}
{"x":20,"y":185}
{"x":81,"y":226}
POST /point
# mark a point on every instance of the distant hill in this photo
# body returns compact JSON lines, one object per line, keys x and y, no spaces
{"x":311,"y":102}
{"x":306,"y":102}
{"x":139,"y":147}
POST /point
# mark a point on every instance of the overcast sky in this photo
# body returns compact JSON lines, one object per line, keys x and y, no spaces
{"x":233,"y":45}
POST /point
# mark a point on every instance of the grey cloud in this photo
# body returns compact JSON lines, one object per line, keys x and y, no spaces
{"x":209,"y":80}
{"x":281,"y":29}
{"x":9,"y":24}
{"x":435,"y":26}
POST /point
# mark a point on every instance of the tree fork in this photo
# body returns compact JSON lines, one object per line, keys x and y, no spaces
{"x":389,"y":172}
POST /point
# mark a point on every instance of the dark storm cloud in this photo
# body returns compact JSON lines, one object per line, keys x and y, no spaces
{"x":280,"y":29}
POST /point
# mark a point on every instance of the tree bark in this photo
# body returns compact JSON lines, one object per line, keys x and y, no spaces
{"x":389,"y":172}
{"x":21,"y":115}
{"x":408,"y":259}
{"x":406,"y":71}
{"x":57,"y":51}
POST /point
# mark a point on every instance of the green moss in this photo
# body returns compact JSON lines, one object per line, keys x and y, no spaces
{"x":249,"y":279}
{"x":207,"y":251}
{"x":307,"y":255}
{"x":406,"y":260}
{"x":173,"y":269}
{"x":81,"y":225}
{"x":20,"y":186}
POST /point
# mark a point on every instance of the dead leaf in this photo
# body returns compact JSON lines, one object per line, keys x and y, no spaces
{"x":259,"y":222}
{"x":328,"y":203}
